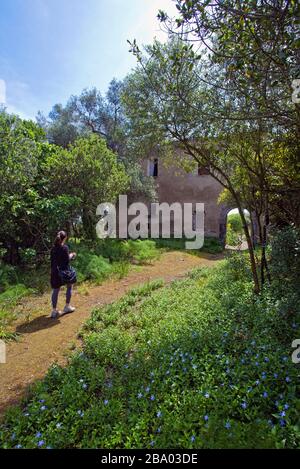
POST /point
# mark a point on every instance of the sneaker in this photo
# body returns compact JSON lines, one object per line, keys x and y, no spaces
{"x":54,"y":314}
{"x":68,"y":309}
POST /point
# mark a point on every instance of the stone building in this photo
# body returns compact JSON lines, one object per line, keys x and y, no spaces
{"x":177,"y":185}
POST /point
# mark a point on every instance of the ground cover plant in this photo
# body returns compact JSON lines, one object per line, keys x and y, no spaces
{"x":202,"y":363}
{"x":96,"y":261}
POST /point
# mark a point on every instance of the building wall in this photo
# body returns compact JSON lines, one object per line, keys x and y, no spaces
{"x":176,"y":185}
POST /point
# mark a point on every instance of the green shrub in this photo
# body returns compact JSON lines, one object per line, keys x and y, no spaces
{"x":285,"y":272}
{"x":28,"y":256}
{"x":212,"y":245}
{"x":8,"y":275}
{"x":232,"y":238}
{"x":112,"y":249}
{"x":91,"y":267}
{"x":285,"y":258}
{"x":142,"y":251}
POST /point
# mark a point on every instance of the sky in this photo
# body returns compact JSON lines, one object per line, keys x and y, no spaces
{"x":52,"y":49}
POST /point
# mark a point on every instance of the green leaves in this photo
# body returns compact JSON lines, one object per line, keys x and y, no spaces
{"x":44,"y":187}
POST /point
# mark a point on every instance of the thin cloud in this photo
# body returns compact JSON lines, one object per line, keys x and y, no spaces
{"x":18,"y":94}
{"x":2,"y":92}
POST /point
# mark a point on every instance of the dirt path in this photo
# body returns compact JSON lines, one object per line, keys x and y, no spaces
{"x":45,"y":341}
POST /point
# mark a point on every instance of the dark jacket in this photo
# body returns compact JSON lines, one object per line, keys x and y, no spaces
{"x":59,"y":259}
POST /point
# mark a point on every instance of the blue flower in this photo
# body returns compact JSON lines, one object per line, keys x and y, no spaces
{"x":286,"y":406}
{"x":18,"y":447}
{"x":80,"y":413}
{"x":42,"y":401}
{"x":257,"y":382}
{"x":282,"y":422}
{"x":41,"y":443}
{"x":275,"y":375}
{"x":84,"y":386}
{"x":265,"y":394}
{"x":152,"y":443}
{"x":194,"y":367}
{"x":152,"y":397}
{"x":147,"y":389}
{"x":13,"y":436}
{"x":159,"y":414}
{"x":140,"y":395}
{"x":206,"y":395}
{"x":58,"y":425}
{"x":38,"y":435}
{"x":244,"y":405}
{"x":206,"y":418}
{"x":192,"y":438}
{"x":266,"y":359}
{"x":105,"y":401}
{"x":227,"y":425}
{"x":158,"y":430}
{"x":288,"y":379}
{"x":282,"y":413}
{"x":43,"y":407}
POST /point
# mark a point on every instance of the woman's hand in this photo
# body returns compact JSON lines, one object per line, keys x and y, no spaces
{"x":72,"y":255}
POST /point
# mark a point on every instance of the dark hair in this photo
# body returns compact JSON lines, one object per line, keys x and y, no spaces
{"x":60,"y":237}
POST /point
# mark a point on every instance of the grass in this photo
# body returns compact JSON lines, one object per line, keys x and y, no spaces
{"x":9,"y":303}
{"x":202,"y":363}
{"x":211,"y":245}
{"x":96,"y":261}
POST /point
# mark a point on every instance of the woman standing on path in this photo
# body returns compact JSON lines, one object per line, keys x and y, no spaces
{"x":60,"y":268}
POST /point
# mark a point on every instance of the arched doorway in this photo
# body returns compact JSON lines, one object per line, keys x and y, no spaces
{"x":235,"y":228}
{"x":235,"y":236}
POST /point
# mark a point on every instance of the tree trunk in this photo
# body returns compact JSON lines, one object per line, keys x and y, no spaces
{"x":250,"y":248}
{"x":264,"y":262}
